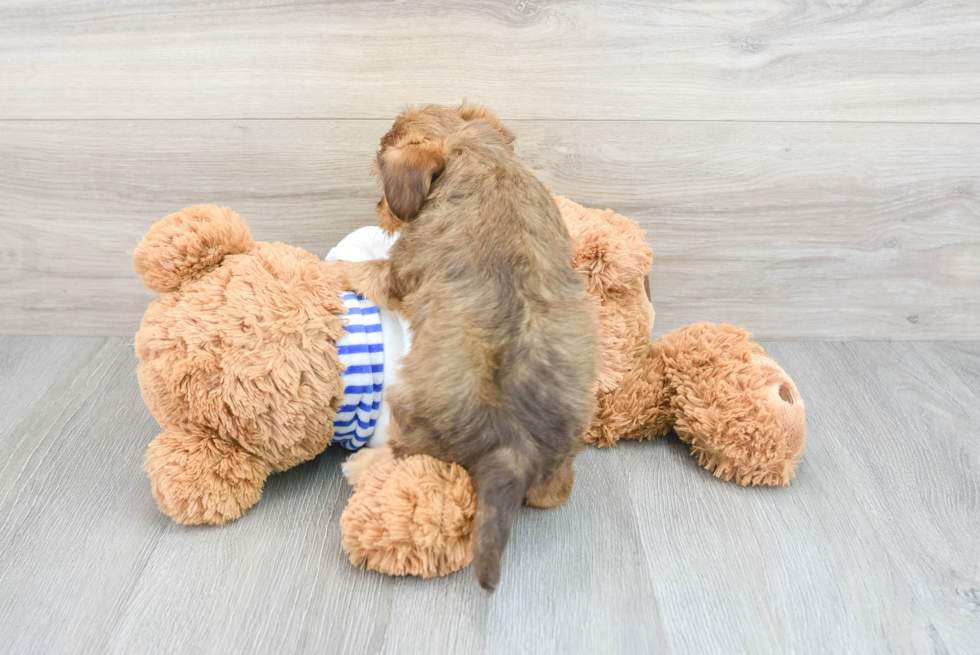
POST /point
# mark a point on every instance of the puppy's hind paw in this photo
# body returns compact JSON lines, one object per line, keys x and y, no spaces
{"x":357,"y":465}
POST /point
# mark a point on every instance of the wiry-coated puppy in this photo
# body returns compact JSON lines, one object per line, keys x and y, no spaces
{"x":503,"y":353}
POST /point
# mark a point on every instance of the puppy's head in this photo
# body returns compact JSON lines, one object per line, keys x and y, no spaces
{"x":411,"y":156}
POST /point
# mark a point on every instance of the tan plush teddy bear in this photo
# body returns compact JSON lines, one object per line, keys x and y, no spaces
{"x":240,"y":365}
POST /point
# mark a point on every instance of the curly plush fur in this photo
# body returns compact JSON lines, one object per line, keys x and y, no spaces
{"x":238,"y":362}
{"x":741,"y":414}
{"x":436,"y":540}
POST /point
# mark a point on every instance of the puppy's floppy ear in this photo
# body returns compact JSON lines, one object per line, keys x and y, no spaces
{"x":406,"y":174}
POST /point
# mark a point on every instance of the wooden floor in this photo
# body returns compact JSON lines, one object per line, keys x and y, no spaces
{"x":807,"y":168}
{"x":875,"y":547}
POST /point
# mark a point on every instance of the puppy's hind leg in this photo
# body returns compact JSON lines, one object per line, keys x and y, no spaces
{"x":555,"y":490}
{"x":360,"y":463}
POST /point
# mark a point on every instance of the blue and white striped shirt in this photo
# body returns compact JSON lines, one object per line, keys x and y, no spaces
{"x":362,"y":351}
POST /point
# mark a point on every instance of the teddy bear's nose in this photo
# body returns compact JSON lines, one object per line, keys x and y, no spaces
{"x":785,"y":394}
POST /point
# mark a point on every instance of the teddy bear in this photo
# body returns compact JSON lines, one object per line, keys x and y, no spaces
{"x":245,"y":362}
{"x":238,"y":361}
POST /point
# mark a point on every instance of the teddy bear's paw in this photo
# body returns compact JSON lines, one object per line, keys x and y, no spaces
{"x":775,"y":473}
{"x":197,"y":478}
{"x":411,"y":516}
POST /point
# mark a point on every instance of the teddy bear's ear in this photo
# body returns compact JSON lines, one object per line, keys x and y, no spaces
{"x":184,"y":246}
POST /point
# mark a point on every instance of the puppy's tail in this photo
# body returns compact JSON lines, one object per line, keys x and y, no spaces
{"x":501,"y":483}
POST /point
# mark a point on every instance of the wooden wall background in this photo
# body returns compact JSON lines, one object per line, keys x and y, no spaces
{"x":807,"y":168}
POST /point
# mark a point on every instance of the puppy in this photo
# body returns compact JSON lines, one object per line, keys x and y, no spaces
{"x":499,"y":376}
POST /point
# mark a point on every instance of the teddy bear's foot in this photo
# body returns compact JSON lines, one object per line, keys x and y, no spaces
{"x":741,"y":414}
{"x":198,"y":478}
{"x":411,"y":516}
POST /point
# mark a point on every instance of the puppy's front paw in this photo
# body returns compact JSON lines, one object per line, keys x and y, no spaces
{"x":337,"y":269}
{"x":357,"y":465}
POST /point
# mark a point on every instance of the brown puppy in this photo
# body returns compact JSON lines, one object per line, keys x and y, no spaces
{"x":503,"y":354}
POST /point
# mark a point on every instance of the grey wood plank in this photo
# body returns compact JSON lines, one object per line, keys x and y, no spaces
{"x":911,"y":443}
{"x":818,"y":231}
{"x":77,"y":523}
{"x":958,"y":365}
{"x":29,"y":366}
{"x":574,"y":580}
{"x":278,"y":581}
{"x":71,"y":215}
{"x":873,"y":548}
{"x":275,"y":581}
{"x":893,"y":60}
{"x":797,"y":231}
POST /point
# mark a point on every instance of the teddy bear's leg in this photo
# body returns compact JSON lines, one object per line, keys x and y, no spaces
{"x":199,"y":478}
{"x":411,"y":516}
{"x":638,"y":408}
{"x":741,"y":414}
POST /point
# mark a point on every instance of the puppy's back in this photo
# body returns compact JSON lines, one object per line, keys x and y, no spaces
{"x":503,"y":375}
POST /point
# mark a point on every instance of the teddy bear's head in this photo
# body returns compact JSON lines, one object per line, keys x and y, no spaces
{"x":238,"y":357}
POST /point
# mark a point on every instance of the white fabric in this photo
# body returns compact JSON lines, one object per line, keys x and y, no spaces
{"x":361,"y":245}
